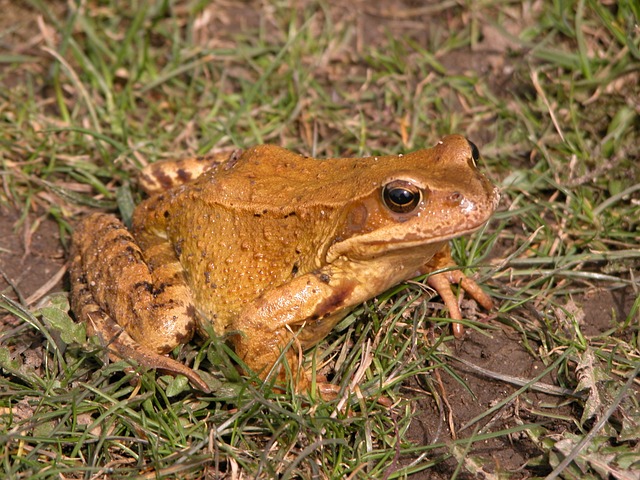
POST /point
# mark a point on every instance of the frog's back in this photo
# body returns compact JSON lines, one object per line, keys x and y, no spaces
{"x":270,"y":177}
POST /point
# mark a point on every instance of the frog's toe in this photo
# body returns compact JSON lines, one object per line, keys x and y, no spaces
{"x":442,"y":282}
{"x":122,"y":346}
{"x":328,"y":391}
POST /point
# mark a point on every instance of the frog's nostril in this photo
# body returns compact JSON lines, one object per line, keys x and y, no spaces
{"x":456,"y":197}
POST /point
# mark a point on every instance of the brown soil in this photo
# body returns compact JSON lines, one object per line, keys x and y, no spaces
{"x":31,"y":256}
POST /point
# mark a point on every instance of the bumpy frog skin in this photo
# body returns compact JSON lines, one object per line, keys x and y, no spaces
{"x":272,"y":249}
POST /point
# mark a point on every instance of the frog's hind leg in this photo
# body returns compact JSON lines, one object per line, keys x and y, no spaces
{"x":122,"y":301}
{"x":161,"y":176}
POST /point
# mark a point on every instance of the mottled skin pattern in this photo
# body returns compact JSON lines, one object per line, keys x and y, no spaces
{"x":273,"y":249}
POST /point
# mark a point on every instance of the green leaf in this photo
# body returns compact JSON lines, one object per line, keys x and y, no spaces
{"x":56,"y":314}
{"x":176,"y":385}
{"x":6,"y":362}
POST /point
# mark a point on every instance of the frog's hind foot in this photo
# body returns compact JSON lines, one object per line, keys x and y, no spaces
{"x":122,"y":346}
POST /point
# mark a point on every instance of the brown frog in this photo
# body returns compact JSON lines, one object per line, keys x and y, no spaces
{"x":272,"y":249}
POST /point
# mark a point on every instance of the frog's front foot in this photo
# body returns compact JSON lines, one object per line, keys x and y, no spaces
{"x":443,"y":281}
{"x":278,"y":356}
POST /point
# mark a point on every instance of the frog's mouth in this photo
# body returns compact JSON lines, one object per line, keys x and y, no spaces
{"x":363,"y":248}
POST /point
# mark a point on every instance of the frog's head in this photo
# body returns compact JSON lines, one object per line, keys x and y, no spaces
{"x":416,"y":201}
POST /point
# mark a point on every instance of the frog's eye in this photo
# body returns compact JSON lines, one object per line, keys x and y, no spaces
{"x":400,"y":196}
{"x":475,"y":153}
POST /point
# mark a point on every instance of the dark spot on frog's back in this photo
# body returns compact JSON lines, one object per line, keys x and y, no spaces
{"x":177,"y":247}
{"x":233,"y":159}
{"x":163,"y":179}
{"x":159,"y":289}
{"x":143,"y":285}
{"x":184,"y":175}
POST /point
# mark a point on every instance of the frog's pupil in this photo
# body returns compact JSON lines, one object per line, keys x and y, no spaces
{"x":400,"y":196}
{"x":400,"y":199}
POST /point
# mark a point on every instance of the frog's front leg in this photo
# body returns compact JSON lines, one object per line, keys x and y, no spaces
{"x":292,"y":318}
{"x":138,"y":303}
{"x":442,"y":282}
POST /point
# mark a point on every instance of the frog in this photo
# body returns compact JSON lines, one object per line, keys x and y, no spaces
{"x":269,"y":249}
